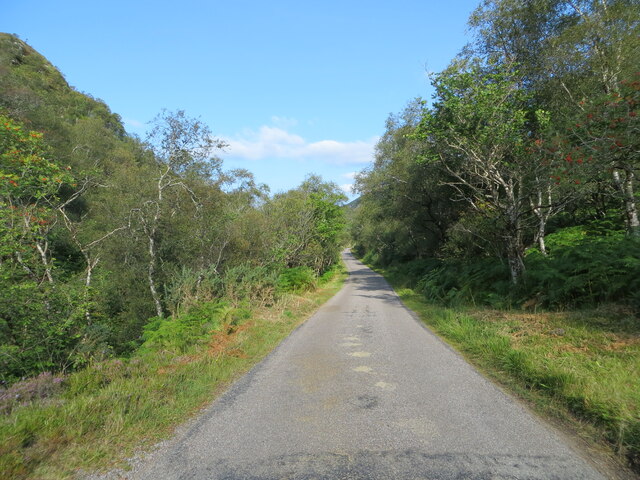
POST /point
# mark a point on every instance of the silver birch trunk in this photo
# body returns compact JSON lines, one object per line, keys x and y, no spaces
{"x":631,"y":210}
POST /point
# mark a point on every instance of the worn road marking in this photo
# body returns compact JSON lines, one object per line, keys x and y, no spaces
{"x":352,"y":338}
{"x":360,"y":354}
{"x":350,"y":344}
{"x":363,"y":368}
{"x":386,"y":386}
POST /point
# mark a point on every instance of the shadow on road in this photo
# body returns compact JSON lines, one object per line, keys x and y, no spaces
{"x":368,"y":283}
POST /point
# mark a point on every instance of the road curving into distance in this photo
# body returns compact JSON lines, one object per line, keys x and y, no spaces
{"x":363,"y":391}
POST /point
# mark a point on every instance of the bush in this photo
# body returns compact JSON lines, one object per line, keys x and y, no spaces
{"x":296,"y":279}
{"x":481,"y":281}
{"x":26,"y":391}
{"x":239,"y":284}
{"x":586,"y":266}
{"x":177,"y":334}
{"x":248,"y":283}
{"x":583,"y":269}
{"x":41,"y":330}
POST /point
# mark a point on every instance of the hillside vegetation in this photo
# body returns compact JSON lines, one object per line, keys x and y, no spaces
{"x":517,"y":183}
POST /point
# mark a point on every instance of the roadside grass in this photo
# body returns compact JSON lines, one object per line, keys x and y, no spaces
{"x":107,"y":412}
{"x":581,"y":367}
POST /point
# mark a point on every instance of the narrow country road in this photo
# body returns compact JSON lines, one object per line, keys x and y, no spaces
{"x":363,"y":391}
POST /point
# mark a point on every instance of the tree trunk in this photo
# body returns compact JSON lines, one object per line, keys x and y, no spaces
{"x":542,"y":219}
{"x":626,"y":189}
{"x":151,"y":276}
{"x":513,"y":234}
{"x":91,"y":264}
{"x":541,"y":243}
{"x":516,"y":259}
{"x":45,"y":260}
{"x":630,"y":204}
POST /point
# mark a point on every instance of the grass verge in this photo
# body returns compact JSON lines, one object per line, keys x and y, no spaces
{"x":107,"y":412}
{"x":581,"y":367}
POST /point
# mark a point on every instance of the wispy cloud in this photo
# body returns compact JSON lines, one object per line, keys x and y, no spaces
{"x":275,"y":141}
{"x":284,"y":122}
{"x":133,"y":124}
{"x":347,"y":188}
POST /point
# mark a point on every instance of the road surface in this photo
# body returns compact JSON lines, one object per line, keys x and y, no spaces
{"x":363,"y":391}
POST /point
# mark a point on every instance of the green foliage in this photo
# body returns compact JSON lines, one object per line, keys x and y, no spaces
{"x":182,"y":332}
{"x":404,"y":209}
{"x":102,"y":414}
{"x":125,"y":230}
{"x":533,"y":129}
{"x":584,"y":269}
{"x":296,"y":279}
{"x":246,"y":283}
{"x":586,"y":266}
{"x":29,"y":183}
{"x":41,"y":327}
{"x":306,"y":226}
{"x":483,"y":281}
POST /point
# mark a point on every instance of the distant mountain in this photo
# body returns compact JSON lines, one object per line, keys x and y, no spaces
{"x":353,"y":204}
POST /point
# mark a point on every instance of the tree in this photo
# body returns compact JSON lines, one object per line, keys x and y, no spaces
{"x":607,"y":139}
{"x":478,"y":131}
{"x":29,"y":183}
{"x":306,"y":225}
{"x":37,"y":328}
{"x":404,"y":210}
{"x":570,"y":53}
{"x":183,"y":149}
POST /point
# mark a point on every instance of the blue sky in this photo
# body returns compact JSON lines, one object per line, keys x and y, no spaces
{"x":294,"y":87}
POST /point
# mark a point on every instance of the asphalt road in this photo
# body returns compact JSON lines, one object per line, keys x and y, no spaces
{"x":363,"y":391}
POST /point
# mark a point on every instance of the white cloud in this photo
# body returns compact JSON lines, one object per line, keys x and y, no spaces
{"x":351,"y":175}
{"x":347,"y":188}
{"x":269,"y":142}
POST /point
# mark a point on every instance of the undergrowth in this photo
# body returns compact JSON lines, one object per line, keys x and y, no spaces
{"x":583,"y":268}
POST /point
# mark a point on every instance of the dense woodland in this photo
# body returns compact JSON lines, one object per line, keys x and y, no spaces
{"x":105,"y":236}
{"x":517,"y":183}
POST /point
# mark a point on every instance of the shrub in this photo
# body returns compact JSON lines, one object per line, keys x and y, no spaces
{"x":584,"y":269}
{"x":177,"y":334}
{"x":22,"y":393}
{"x":296,"y":279}
{"x":483,"y":280}
{"x":245,"y":282}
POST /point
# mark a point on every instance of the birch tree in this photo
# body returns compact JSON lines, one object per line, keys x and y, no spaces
{"x":478,"y":131}
{"x":184,"y":148}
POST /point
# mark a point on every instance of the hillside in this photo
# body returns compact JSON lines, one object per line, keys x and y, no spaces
{"x":34,"y":91}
